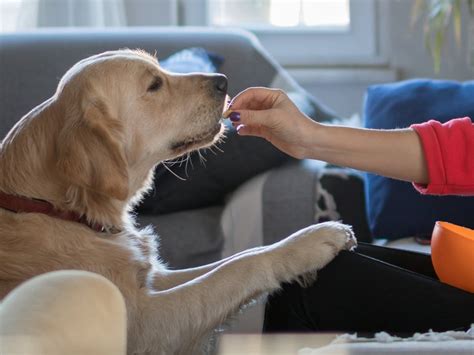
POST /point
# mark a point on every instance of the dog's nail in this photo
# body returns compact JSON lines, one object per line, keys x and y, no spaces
{"x":234,"y":116}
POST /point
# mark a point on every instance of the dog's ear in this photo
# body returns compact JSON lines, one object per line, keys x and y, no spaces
{"x":91,"y":152}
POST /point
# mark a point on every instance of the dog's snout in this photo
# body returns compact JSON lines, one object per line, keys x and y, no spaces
{"x":220,"y":84}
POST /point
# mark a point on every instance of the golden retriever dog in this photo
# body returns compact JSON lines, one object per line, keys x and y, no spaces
{"x":83,"y":158}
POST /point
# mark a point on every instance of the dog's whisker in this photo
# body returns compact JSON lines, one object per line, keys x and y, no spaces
{"x":172,"y":172}
{"x":219,"y":149}
{"x":188,"y":160}
{"x":171,"y":162}
{"x":212,"y":151}
{"x":202,"y":156}
{"x":182,"y":160}
{"x":179,"y":160}
{"x":202,"y":160}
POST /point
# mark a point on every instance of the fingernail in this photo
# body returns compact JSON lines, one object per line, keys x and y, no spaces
{"x":234,"y":116}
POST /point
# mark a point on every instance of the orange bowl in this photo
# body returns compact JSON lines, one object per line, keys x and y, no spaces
{"x":452,"y":254}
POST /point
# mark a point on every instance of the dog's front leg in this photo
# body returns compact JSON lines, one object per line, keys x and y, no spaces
{"x":188,"y":312}
{"x":171,"y":278}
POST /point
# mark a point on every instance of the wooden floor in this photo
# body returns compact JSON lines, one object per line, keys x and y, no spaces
{"x":257,"y":344}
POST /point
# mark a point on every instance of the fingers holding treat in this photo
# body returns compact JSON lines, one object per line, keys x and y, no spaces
{"x":227,"y":113}
{"x":227,"y":107}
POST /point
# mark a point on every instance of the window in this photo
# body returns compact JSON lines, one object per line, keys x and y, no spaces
{"x":9,"y":10}
{"x":298,"y":32}
{"x":309,"y":14}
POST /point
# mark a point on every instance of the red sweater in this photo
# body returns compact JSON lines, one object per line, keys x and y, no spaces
{"x":449,"y":153}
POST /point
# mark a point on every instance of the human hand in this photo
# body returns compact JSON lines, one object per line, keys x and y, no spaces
{"x":270,"y":114}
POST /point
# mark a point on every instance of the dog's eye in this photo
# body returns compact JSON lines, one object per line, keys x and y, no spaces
{"x":155,"y":85}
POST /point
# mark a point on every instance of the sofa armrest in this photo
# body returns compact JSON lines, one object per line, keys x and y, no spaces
{"x":187,"y":238}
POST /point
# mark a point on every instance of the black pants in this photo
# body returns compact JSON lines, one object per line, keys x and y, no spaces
{"x":370,"y":290}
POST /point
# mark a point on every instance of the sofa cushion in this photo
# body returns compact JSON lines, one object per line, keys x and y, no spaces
{"x":193,"y":59}
{"x":188,"y":238}
{"x":395,"y":209}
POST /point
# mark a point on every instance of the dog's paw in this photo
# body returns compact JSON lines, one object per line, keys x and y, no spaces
{"x":313,"y":247}
{"x":339,"y":236}
{"x":344,"y":234}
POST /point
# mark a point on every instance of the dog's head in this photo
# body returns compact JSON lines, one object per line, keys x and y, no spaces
{"x":122,"y":111}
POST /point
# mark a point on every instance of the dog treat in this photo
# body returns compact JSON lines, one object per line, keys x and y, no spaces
{"x":226,"y":113}
{"x":227,"y":109}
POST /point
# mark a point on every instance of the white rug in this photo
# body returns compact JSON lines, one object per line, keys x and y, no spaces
{"x":451,"y":342}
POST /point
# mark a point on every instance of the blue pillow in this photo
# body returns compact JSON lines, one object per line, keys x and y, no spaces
{"x":395,"y":209}
{"x":194,"y":59}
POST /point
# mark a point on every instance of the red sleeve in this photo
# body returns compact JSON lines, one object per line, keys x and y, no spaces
{"x":449,"y":153}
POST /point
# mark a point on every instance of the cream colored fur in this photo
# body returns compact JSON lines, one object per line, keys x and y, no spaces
{"x":91,"y":148}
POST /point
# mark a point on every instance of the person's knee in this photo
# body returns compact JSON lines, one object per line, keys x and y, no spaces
{"x":65,"y":310}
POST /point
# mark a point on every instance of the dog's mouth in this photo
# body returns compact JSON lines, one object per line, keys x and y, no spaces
{"x":202,"y":140}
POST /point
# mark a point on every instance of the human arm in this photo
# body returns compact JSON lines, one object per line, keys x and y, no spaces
{"x":271,"y":115}
{"x":397,"y":154}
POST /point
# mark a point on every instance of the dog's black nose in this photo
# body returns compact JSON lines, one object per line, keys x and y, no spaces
{"x":220,"y":83}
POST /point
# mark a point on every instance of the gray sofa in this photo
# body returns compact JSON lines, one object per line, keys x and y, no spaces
{"x":273,"y":203}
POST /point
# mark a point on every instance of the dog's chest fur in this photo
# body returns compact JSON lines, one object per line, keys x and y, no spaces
{"x":33,"y":244}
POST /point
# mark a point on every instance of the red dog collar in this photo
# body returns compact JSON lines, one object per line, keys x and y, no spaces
{"x":20,"y":204}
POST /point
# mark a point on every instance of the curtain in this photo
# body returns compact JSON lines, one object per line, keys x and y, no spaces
{"x":68,"y":13}
{"x":20,"y":15}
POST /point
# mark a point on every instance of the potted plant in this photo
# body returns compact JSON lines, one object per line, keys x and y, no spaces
{"x":438,"y":15}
